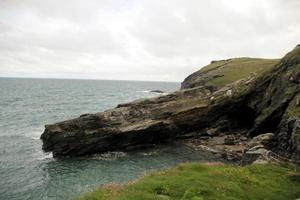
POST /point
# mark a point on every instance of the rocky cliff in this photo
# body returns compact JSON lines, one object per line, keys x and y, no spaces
{"x":245,"y":96}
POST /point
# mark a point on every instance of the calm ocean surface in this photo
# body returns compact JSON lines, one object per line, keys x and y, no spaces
{"x":26,"y":105}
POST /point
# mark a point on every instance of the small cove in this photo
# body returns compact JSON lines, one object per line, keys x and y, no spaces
{"x":26,"y":172}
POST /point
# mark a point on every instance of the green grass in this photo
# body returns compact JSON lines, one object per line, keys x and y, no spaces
{"x":294,"y":111}
{"x":201,"y":182}
{"x":237,"y":68}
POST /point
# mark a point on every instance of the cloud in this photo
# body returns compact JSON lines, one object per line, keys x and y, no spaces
{"x":141,"y":40}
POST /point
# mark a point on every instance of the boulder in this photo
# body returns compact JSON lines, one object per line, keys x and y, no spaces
{"x":212,"y":131}
{"x":229,"y":140}
{"x":260,"y":140}
{"x":257,"y":154}
{"x":257,"y":149}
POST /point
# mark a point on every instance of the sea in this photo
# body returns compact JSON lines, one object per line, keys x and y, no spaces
{"x":28,"y":173}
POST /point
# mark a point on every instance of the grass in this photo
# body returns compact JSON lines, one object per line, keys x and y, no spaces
{"x":293,"y":110}
{"x":237,"y":68}
{"x":202,"y":182}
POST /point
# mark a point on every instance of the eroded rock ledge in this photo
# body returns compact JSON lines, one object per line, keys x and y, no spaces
{"x":214,"y":99}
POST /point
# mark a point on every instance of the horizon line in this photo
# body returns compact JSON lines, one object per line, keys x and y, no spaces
{"x":92,"y":79}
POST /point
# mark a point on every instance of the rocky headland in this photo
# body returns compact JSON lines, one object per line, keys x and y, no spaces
{"x":241,"y":108}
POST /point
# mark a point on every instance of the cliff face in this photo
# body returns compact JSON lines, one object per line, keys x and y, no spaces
{"x":275,"y":100}
{"x":226,"y":96}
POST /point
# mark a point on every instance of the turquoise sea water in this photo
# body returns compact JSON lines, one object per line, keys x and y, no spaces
{"x":26,"y":105}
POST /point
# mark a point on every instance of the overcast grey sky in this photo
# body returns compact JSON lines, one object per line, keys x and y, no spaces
{"x":161,"y":40}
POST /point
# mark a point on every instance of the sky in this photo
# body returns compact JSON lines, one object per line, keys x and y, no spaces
{"x":157,"y":40}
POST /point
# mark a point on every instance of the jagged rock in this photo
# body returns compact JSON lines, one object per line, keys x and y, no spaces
{"x":212,"y":131}
{"x":229,"y":93}
{"x":229,"y":140}
{"x":265,"y":104}
{"x":260,"y":140}
{"x":256,"y":154}
{"x":257,"y":149}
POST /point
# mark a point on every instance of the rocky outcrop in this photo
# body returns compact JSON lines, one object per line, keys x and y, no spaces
{"x":230,"y":147}
{"x":273,"y":98}
{"x":257,"y":149}
{"x":250,"y":103}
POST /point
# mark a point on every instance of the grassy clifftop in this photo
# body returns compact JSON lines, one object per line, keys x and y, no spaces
{"x":202,"y":182}
{"x":223,"y":72}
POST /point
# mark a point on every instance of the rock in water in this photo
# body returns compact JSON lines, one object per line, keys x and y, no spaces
{"x":157,"y":91}
{"x":258,"y":103}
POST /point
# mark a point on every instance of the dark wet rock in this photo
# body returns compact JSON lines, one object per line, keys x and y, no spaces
{"x":254,"y":104}
{"x":157,"y":91}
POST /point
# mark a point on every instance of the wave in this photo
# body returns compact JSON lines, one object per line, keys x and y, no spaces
{"x":144,"y":91}
{"x":34,"y":134}
{"x":153,"y":92}
{"x":155,"y":152}
{"x":46,"y":156}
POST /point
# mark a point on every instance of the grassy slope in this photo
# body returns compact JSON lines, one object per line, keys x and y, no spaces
{"x":236,"y":69}
{"x":239,"y":68}
{"x":201,"y":182}
{"x":294,"y":107}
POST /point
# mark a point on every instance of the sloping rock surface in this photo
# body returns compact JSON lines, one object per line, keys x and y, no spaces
{"x":256,"y":103}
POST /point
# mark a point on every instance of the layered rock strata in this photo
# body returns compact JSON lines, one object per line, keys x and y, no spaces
{"x":211,"y":102}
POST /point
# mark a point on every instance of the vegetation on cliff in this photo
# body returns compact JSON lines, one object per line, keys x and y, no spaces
{"x":203,"y":182}
{"x":223,"y":72}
